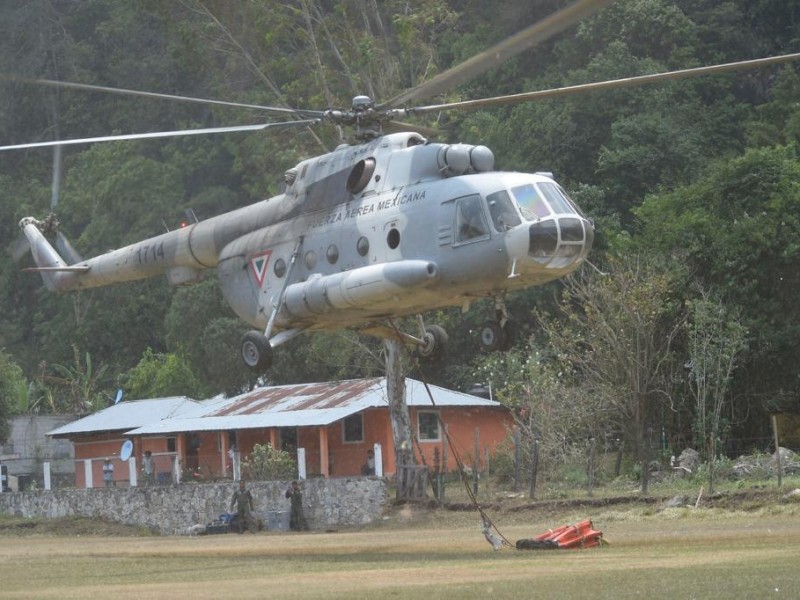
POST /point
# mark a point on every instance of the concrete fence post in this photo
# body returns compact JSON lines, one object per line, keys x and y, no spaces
{"x":301,"y":463}
{"x":87,"y":473}
{"x":133,"y":480}
{"x":378,"y":460}
{"x":46,"y":475}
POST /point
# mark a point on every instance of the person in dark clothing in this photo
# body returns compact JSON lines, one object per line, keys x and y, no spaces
{"x":243,"y":500}
{"x":297,"y":519}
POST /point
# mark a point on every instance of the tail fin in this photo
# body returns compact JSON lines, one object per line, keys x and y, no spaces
{"x":56,"y":273}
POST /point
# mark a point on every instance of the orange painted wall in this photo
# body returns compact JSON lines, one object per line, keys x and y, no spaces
{"x":102,"y":446}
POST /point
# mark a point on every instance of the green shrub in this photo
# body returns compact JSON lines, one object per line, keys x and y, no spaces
{"x":265,"y":463}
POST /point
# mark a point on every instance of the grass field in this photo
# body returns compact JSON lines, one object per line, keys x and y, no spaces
{"x":416,"y":553}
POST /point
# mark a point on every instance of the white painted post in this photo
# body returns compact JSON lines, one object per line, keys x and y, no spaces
{"x":237,"y":466}
{"x":378,"y":460}
{"x":301,"y":463}
{"x":87,"y":473}
{"x":133,"y":481}
{"x":46,"y":474}
{"x":176,"y":470}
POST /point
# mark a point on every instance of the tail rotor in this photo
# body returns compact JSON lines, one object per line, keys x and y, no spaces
{"x":21,"y":246}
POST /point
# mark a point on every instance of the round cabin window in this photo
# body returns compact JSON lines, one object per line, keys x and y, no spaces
{"x":311,"y":259}
{"x":279,"y":268}
{"x":393,"y":238}
{"x":362,"y":246}
{"x":332,"y":254}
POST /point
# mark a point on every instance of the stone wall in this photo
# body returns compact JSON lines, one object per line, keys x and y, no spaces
{"x":329,"y":503}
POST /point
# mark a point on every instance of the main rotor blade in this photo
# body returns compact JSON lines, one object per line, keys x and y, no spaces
{"x":19,"y":248}
{"x":56,"y":188}
{"x":393,"y":126}
{"x":525,"y":39}
{"x":125,"y":92}
{"x":603,"y":85}
{"x":163,"y":134}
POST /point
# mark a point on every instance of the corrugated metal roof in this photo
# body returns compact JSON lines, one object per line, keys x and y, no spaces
{"x":129,"y":414}
{"x":313,"y":404}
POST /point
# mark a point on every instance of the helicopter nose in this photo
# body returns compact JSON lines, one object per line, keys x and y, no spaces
{"x":560,"y":242}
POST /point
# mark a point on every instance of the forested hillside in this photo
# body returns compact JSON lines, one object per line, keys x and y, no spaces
{"x":687,"y":320}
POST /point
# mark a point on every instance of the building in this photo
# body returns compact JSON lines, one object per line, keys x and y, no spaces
{"x":28,"y":448}
{"x":102,"y":434}
{"x":335,"y":423}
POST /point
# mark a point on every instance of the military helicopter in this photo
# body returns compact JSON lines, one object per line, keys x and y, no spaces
{"x":392,"y":225}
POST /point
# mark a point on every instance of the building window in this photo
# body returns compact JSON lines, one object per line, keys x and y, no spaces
{"x":353,"y":428}
{"x":171,"y":444}
{"x":428,"y":426}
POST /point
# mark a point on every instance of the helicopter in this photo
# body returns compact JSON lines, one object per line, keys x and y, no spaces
{"x":392,"y":225}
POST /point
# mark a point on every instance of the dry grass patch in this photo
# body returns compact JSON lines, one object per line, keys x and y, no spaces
{"x":438,"y":554}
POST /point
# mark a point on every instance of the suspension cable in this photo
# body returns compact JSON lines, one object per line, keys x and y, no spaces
{"x":487,"y":521}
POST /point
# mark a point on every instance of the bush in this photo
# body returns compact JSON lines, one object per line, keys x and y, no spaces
{"x":265,"y":463}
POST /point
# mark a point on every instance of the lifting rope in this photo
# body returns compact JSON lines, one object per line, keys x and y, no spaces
{"x":488,"y":524}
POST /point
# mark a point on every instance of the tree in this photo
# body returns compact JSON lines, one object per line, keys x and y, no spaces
{"x":736,"y":229}
{"x":83,"y":383}
{"x":617,"y":334}
{"x":549,"y":407}
{"x":162,"y":375}
{"x":716,"y":340}
{"x":12,"y":382}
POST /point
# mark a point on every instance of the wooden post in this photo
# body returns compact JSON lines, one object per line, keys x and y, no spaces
{"x":777,"y":449}
{"x":517,"y":457}
{"x":646,"y":461}
{"x":534,"y":465}
{"x":476,"y":463}
{"x":590,"y":469}
{"x":620,"y":453}
{"x":444,"y":462}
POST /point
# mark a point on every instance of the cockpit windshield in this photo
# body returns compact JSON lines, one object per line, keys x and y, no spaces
{"x":530,"y":202}
{"x":542,"y":200}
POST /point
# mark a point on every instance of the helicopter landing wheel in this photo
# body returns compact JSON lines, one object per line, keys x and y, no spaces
{"x":434,"y":341}
{"x":256,"y":351}
{"x":493,"y":336}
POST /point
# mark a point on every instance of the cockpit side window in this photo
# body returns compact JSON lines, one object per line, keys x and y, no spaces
{"x":470,"y":220}
{"x":502,"y":211}
{"x":532,"y":204}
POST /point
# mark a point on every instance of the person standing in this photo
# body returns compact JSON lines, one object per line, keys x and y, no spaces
{"x":148,"y":467}
{"x":369,"y":467}
{"x":297,"y":519}
{"x":108,"y":473}
{"x":243,"y":500}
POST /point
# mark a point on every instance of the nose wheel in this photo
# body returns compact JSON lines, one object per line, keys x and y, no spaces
{"x":256,"y":351}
